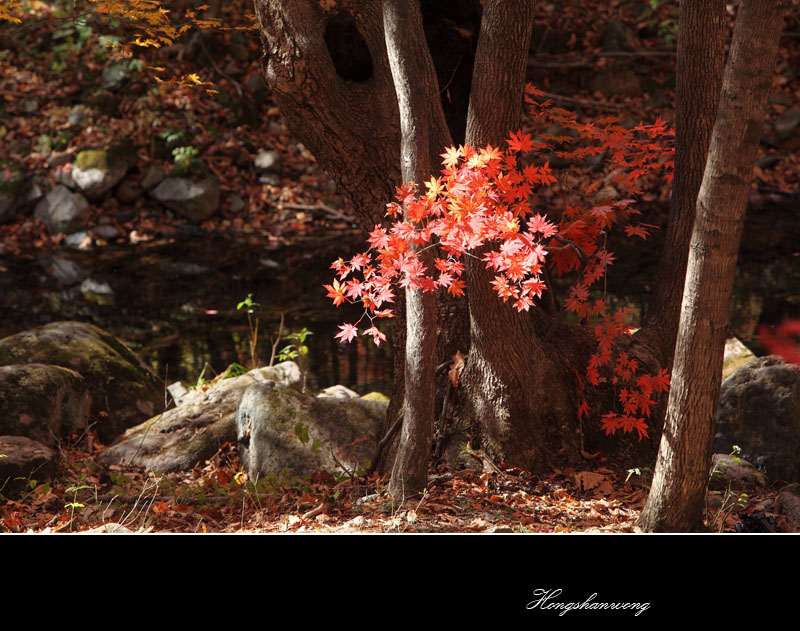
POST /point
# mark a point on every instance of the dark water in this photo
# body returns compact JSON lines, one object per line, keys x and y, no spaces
{"x":174,"y":302}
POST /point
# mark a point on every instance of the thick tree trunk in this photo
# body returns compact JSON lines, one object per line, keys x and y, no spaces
{"x":677,"y":495}
{"x":700,"y":64}
{"x":417,"y":96}
{"x":520,"y":392}
{"x":518,"y":395}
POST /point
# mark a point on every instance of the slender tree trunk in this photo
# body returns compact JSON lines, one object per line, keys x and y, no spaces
{"x":677,"y":495}
{"x":417,"y":97}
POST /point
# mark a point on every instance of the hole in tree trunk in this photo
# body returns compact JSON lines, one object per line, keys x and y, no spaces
{"x":348,"y":50}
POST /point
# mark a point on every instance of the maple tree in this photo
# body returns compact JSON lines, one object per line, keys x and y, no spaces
{"x":485,"y":197}
{"x":519,"y":395}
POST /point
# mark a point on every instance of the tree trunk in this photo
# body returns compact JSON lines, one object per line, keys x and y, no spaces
{"x":677,"y":495}
{"x":700,"y":64}
{"x":417,"y":97}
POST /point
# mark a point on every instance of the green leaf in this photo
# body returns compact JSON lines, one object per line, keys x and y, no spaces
{"x":301,"y":431}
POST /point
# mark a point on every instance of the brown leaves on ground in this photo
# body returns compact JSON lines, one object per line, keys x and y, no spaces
{"x":217,"y":498}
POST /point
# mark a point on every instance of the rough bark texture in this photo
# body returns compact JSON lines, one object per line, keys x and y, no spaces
{"x":521,"y":394}
{"x":417,"y":97}
{"x":518,"y":395}
{"x":677,"y":495}
{"x":700,"y":64}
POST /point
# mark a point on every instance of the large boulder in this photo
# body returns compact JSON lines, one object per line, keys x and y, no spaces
{"x":42,"y":402}
{"x":759,"y":410}
{"x":192,"y":432}
{"x":23,"y":460}
{"x":283,"y":432}
{"x":122,"y":387}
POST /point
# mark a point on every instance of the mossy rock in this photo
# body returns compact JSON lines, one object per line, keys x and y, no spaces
{"x":23,"y":462}
{"x":376,"y":396}
{"x":120,"y":384}
{"x":192,"y":432}
{"x":42,"y":402}
{"x":97,"y":171}
{"x":282,"y":430}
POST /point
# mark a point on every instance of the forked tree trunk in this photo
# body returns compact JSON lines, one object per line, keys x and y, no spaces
{"x":677,"y":495}
{"x":518,"y":395}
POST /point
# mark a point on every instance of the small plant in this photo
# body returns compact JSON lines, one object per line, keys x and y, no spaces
{"x":74,"y":503}
{"x":252,"y":322}
{"x":730,"y":499}
{"x":297,"y":350}
{"x":186,"y":160}
{"x":667,"y":22}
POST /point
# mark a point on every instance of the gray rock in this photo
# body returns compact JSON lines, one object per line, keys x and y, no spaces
{"x":78,"y":114}
{"x":177,"y":391}
{"x":204,"y":420}
{"x":98,"y":171}
{"x":97,"y":291}
{"x":338,"y":391}
{"x":63,"y":175}
{"x":787,"y":124}
{"x":42,"y":402}
{"x":759,"y":410}
{"x":195,"y":200}
{"x":106,"y":232}
{"x":281,"y":431}
{"x":124,"y":390}
{"x":61,"y":210}
{"x":64,"y":270}
{"x":736,"y":473}
{"x":80,"y":240}
{"x":22,"y":460}
{"x":116,"y":74}
{"x":152,"y":177}
{"x":269,"y":162}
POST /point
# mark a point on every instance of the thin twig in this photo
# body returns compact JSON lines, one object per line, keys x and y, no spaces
{"x":326,"y":209}
{"x":582,"y":102}
{"x":275,"y":343}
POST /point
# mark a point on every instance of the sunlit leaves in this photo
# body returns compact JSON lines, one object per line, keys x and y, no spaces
{"x":484,"y":199}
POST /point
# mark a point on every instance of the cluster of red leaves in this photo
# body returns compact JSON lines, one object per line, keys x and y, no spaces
{"x":485,"y":197}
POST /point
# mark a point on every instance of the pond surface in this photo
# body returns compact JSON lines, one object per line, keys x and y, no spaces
{"x":173,"y":300}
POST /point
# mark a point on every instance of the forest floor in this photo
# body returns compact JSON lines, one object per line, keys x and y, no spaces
{"x":90,"y":496}
{"x":51,"y":64}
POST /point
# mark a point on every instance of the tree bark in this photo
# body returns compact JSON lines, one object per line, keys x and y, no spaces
{"x":677,"y":495}
{"x":514,"y":385}
{"x":417,"y":97}
{"x":700,"y":64}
